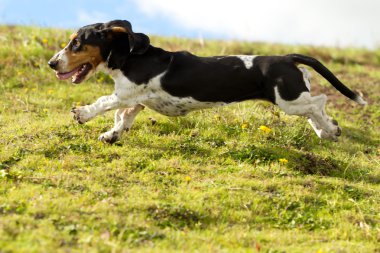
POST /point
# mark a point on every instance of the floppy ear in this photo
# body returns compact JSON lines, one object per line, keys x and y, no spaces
{"x":119,"y":33}
{"x":138,"y":42}
{"x":119,"y":48}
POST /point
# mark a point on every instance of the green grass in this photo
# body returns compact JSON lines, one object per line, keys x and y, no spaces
{"x":199,"y":183}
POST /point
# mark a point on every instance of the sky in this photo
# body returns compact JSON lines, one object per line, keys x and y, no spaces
{"x":338,"y":23}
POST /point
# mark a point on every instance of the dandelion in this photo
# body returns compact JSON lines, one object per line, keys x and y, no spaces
{"x":283,"y":161}
{"x":78,"y":103}
{"x":245,"y":125}
{"x":217,"y":117}
{"x":187,"y":179}
{"x":45,"y":41}
{"x":63,"y":45}
{"x":100,"y":79}
{"x":50,"y":91}
{"x":265,"y":129}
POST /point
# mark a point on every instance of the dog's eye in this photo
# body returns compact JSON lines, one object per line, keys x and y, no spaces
{"x":76,"y":44}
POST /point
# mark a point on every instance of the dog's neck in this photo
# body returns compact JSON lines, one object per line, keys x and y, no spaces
{"x":139,"y":69}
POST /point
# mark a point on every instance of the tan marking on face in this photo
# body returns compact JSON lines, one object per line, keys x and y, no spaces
{"x":118,"y":29}
{"x":89,"y":54}
{"x":73,"y":36}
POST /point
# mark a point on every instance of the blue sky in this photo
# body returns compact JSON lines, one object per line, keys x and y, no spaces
{"x":74,"y":14}
{"x":316,"y":22}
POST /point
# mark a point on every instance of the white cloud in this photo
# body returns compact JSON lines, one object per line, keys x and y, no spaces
{"x":318,"y":22}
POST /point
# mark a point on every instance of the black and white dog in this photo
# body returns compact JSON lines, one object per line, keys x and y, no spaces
{"x":176,"y":83}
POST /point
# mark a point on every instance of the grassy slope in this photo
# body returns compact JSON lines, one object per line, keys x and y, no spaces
{"x":199,"y":182}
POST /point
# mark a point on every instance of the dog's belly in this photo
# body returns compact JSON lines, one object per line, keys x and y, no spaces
{"x":176,"y":106}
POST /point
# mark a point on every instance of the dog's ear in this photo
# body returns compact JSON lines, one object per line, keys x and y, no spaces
{"x":138,"y":42}
{"x":123,"y":41}
{"x":119,"y":47}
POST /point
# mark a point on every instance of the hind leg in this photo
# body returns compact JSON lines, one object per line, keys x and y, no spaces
{"x":123,"y":122}
{"x":312,"y":108}
{"x":320,"y":101}
{"x":324,"y":126}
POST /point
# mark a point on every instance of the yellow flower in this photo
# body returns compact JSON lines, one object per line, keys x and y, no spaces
{"x":45,"y":41}
{"x":45,"y":110}
{"x":78,"y":103}
{"x":245,"y":125}
{"x":265,"y":129}
{"x":187,"y":179}
{"x":50,"y":91}
{"x":63,"y":45}
{"x":283,"y":161}
{"x":217,"y":117}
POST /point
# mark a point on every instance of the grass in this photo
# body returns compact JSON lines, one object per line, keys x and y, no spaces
{"x":213,"y":181}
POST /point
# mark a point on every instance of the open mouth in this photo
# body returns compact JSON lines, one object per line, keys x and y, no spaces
{"x":77,"y":75}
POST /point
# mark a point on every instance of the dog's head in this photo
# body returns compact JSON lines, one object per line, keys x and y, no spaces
{"x":110,"y":43}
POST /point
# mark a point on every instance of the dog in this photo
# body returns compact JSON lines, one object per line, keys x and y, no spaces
{"x":176,"y":83}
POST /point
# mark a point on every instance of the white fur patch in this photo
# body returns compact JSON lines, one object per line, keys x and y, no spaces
{"x":62,"y":58}
{"x":247,"y":60}
{"x":360,"y":100}
{"x":294,"y":107}
{"x":306,"y":77}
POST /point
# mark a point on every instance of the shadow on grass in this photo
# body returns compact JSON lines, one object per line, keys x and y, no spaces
{"x":13,"y":159}
{"x":178,"y":217}
{"x":360,"y":136}
{"x":306,"y":163}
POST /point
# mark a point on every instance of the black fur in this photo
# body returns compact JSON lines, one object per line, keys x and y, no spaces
{"x":325,"y":72}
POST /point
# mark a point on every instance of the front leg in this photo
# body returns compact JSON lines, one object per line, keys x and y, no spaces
{"x":85,"y":113}
{"x":123,"y":122}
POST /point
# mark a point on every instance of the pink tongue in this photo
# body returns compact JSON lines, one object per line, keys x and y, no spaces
{"x":63,"y":76}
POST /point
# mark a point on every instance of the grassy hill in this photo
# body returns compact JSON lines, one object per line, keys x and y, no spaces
{"x":208,"y":182}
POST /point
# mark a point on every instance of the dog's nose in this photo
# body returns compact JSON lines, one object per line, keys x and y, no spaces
{"x":53,"y":64}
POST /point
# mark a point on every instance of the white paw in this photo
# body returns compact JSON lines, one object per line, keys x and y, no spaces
{"x":109,"y":137}
{"x":332,"y":133}
{"x":328,"y":135}
{"x":81,"y":114}
{"x":335,"y":131}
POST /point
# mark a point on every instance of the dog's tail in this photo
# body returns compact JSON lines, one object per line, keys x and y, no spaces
{"x":328,"y":75}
